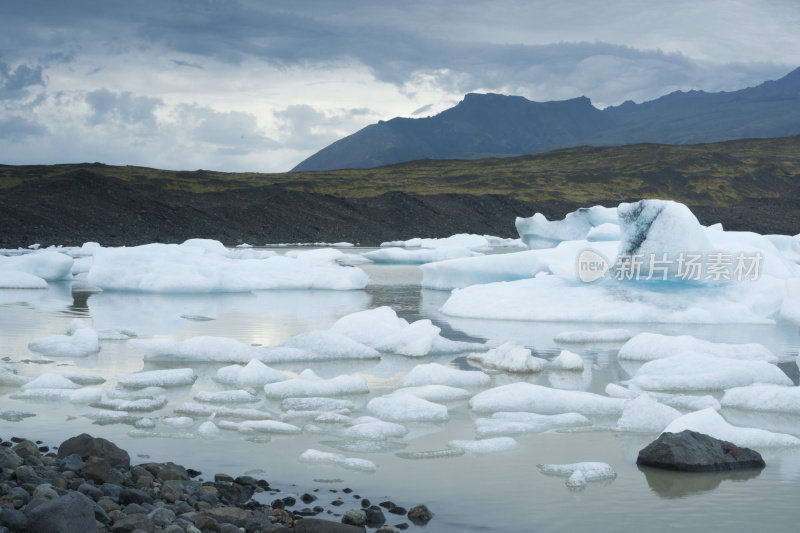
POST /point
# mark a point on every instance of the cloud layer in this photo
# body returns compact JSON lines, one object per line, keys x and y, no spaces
{"x":259,"y":86}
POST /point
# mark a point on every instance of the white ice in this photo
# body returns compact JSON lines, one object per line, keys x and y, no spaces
{"x":509,"y":357}
{"x":308,"y":383}
{"x":436,"y":393}
{"x":316,"y":403}
{"x":176,"y":377}
{"x":84,"y":395}
{"x":579,"y":474}
{"x":645,"y":414}
{"x":331,"y":344}
{"x":369,"y":428}
{"x":763,"y":397}
{"x":187,"y":268}
{"x":460,"y":240}
{"x":567,"y":360}
{"x":208,"y":430}
{"x":711,"y":423}
{"x":139,"y":405}
{"x":45,"y":264}
{"x":179,"y":421}
{"x":203,"y":409}
{"x":484,"y":446}
{"x":520,"y":423}
{"x":407,"y":408}
{"x":254,"y":374}
{"x":651,"y":346}
{"x":545,"y":400}
{"x":403,"y":256}
{"x":262,"y":426}
{"x":9,"y":376}
{"x":14,"y":279}
{"x":327,"y":458}
{"x":538,"y":232}
{"x":226,"y":396}
{"x":50,"y":380}
{"x":436,"y":374}
{"x":689,"y":371}
{"x":80,"y":342}
{"x":593,"y":337}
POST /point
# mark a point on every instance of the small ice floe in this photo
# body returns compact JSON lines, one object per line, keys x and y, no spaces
{"x":432,"y":454}
{"x":509,"y":357}
{"x":10,"y":378}
{"x":436,"y":374}
{"x":254,"y":374}
{"x":308,"y":383}
{"x":15,"y":416}
{"x":545,"y":400}
{"x":402,"y":256}
{"x":201,"y":349}
{"x":208,"y":430}
{"x":141,"y":405}
{"x":651,"y":346}
{"x":47,"y":265}
{"x":690,"y":371}
{"x":326,"y":458}
{"x":645,"y":414}
{"x":316,"y":403}
{"x":711,"y":423}
{"x":466,"y":271}
{"x":226,"y":396}
{"x":407,"y":408}
{"x":332,"y":345}
{"x":179,"y":421}
{"x":176,"y":377}
{"x":80,"y":341}
{"x":687,"y":402}
{"x":13,"y":279}
{"x":485,"y":446}
{"x":149,"y":434}
{"x":369,"y":428}
{"x":436,"y":393}
{"x":579,"y":474}
{"x":261,"y":426}
{"x":136,"y":394}
{"x":51,"y":380}
{"x":567,"y":360}
{"x":198,"y":410}
{"x":116,"y":334}
{"x":593,"y":337}
{"x":763,"y":397}
{"x":84,"y":395}
{"x":520,"y":423}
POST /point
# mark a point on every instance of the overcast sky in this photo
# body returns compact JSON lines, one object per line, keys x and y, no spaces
{"x":261,"y":85}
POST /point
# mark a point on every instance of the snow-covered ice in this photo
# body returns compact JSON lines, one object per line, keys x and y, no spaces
{"x":567,"y":360}
{"x":711,"y":423}
{"x":436,"y":393}
{"x":254,"y":374}
{"x":538,"y":399}
{"x":369,"y":428}
{"x":436,"y":374}
{"x":208,"y":430}
{"x":48,"y":265}
{"x":407,"y":408}
{"x":313,"y":456}
{"x":690,"y":371}
{"x":593,"y":337}
{"x":226,"y":396}
{"x":261,"y":426}
{"x":579,"y":474}
{"x":403,"y":256}
{"x":645,"y":414}
{"x":520,"y":423}
{"x":308,"y":383}
{"x":79,"y":342}
{"x":484,"y":446}
{"x":651,"y":346}
{"x":763,"y":397}
{"x":509,"y":357}
{"x":14,"y":279}
{"x":176,"y":377}
{"x":538,"y":232}
{"x":316,"y":403}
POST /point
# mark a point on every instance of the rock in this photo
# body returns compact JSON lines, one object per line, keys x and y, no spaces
{"x":690,"y":451}
{"x":68,"y":514}
{"x":234,"y":493}
{"x":307,"y":498}
{"x":375,"y":517}
{"x":12,"y":519}
{"x":9,"y":459}
{"x":229,"y":515}
{"x":99,"y":470}
{"x":317,"y":525}
{"x":134,"y":522}
{"x":420,"y":515}
{"x":45,"y":491}
{"x":172,"y":490}
{"x":134,"y":496}
{"x":73,"y":462}
{"x":26,"y":474}
{"x":161,"y":517}
{"x":355,"y":517}
{"x":27,"y":448}
{"x":86,"y":446}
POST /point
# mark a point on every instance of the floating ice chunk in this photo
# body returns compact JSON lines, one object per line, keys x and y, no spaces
{"x":331,"y":344}
{"x":790,"y":309}
{"x":645,"y":414}
{"x":520,"y":423}
{"x":460,"y":240}
{"x":115,"y":334}
{"x":690,"y":371}
{"x":431,"y":454}
{"x":687,"y":402}
{"x":402,"y":256}
{"x":141,"y":405}
{"x":15,"y":416}
{"x":208,"y":430}
{"x":593,"y":337}
{"x":50,"y":380}
{"x":457,"y":273}
{"x":330,"y":417}
{"x":579,"y":474}
{"x":436,"y":393}
{"x":267,"y":426}
{"x":148,"y":434}
{"x":146,"y":392}
{"x":144,"y":423}
{"x":651,"y":346}
{"x":407,"y":408}
{"x":309,"y":384}
{"x":316,"y":404}
{"x":711,"y":423}
{"x":369,"y":428}
{"x":761,"y":397}
{"x":179,"y":421}
{"x":510,"y":357}
{"x":495,"y":445}
{"x":618,"y":391}
{"x":538,"y":232}
{"x":200,"y":349}
{"x":200,"y":409}
{"x":436,"y":374}
{"x":608,"y":231}
{"x":45,"y":264}
{"x":83,"y":395}
{"x":226,"y":396}
{"x":14,"y":279}
{"x":170,"y":268}
{"x":567,"y":360}
{"x":8,"y":377}
{"x":81,"y":343}
{"x":538,"y":399}
{"x":177,"y":377}
{"x":317,"y":457}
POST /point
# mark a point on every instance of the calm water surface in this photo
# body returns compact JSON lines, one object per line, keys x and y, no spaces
{"x":468,"y":492}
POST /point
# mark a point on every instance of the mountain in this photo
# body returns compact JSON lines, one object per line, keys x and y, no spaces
{"x":489,"y":125}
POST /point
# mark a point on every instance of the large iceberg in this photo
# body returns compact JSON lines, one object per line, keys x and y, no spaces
{"x":308,"y":383}
{"x":187,"y":268}
{"x":763,"y":397}
{"x":711,"y":423}
{"x":48,"y":265}
{"x":538,"y":232}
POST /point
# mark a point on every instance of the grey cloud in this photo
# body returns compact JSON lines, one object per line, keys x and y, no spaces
{"x":123,"y":107}
{"x":15,"y":82}
{"x":16,"y":128}
{"x":231,"y":132}
{"x":305,"y":127}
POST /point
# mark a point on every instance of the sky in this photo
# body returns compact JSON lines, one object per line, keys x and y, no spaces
{"x":259,"y":85}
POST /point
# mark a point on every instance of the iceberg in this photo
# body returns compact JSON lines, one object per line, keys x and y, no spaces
{"x":690,"y":371}
{"x":567,"y":360}
{"x":711,"y":423}
{"x":645,"y":414}
{"x":226,"y":396}
{"x":369,"y":428}
{"x":316,"y":403}
{"x":521,"y":423}
{"x":436,"y":393}
{"x":406,"y":408}
{"x":579,"y":474}
{"x":308,"y":383}
{"x":254,"y":374}
{"x":436,"y":374}
{"x":509,"y":357}
{"x":593,"y":337}
{"x":538,"y":399}
{"x":327,"y":458}
{"x":181,"y":268}
{"x":82,"y":341}
{"x":44,"y":264}
{"x":651,"y":346}
{"x":483,"y":446}
{"x":402,"y":256}
{"x":460,"y":240}
{"x":763,"y":397}
{"x":13,"y":279}
{"x":177,"y":377}
{"x":83,"y":395}
{"x":538,"y":232}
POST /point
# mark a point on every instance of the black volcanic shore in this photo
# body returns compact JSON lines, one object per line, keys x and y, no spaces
{"x":88,"y":484}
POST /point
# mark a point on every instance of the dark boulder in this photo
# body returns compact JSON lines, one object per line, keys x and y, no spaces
{"x":316,"y":525}
{"x":690,"y":451}
{"x":87,"y":446}
{"x":68,"y":514}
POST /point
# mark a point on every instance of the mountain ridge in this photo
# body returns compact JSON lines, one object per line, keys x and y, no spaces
{"x":496,"y":125}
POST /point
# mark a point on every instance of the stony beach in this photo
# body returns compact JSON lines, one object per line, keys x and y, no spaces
{"x":88,"y":484}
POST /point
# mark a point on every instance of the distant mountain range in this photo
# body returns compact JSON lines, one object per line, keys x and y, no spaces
{"x":492,"y":125}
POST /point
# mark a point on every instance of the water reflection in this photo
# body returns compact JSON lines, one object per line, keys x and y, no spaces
{"x":669,"y":484}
